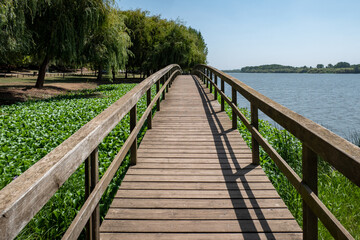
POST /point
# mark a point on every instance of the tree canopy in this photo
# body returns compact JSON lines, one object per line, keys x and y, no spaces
{"x":158,"y":42}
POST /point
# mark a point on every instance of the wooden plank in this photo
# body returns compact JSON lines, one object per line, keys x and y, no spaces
{"x":195,"y":151}
{"x":194,"y":155}
{"x":178,"y":145}
{"x":197,"y":172}
{"x":197,"y":203}
{"x":202,"y":214}
{"x":246,"y":159}
{"x":191,"y":194}
{"x":201,"y":236}
{"x":192,"y":165}
{"x":195,"y":178}
{"x":196,"y":186}
{"x":201,"y":226}
{"x":194,"y":142}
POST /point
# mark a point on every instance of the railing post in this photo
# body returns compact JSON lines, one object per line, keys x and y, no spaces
{"x":171,"y":79}
{"x":234,"y":101}
{"x":202,"y":76}
{"x":148,"y":101}
{"x":157,"y":90}
{"x":216,"y":93}
{"x":167,"y":78}
{"x":206,"y":79}
{"x":133,"y":148}
{"x":309,"y":171}
{"x":254,"y":143}
{"x":222,"y":98}
{"x":210,"y":81}
{"x":91,"y":179}
{"x":163,"y":82}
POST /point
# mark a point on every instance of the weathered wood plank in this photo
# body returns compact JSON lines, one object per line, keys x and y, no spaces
{"x":202,"y":214}
{"x":246,"y":159}
{"x":197,"y":172}
{"x":201,"y":236}
{"x":194,"y":155}
{"x":191,"y":194}
{"x":201,"y":226}
{"x":193,"y":178}
{"x":196,"y":186}
{"x":195,"y":151}
{"x":198,"y":203}
{"x":224,"y":165}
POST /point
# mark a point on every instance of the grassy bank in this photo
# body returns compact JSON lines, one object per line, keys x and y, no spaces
{"x":32,"y":129}
{"x":339,"y":194}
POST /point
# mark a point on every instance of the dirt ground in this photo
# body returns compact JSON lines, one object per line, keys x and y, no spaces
{"x":14,"y":90}
{"x":21,"y":93}
{"x":20,"y":90}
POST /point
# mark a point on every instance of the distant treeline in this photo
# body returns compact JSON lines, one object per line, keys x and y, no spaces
{"x":340,"y":67}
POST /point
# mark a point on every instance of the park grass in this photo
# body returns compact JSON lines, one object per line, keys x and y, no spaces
{"x":338,"y":193}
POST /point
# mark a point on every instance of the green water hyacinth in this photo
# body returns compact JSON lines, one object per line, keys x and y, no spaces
{"x":32,"y":129}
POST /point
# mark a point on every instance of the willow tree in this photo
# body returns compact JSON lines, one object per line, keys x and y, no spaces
{"x":15,"y":39}
{"x":108,"y":46}
{"x":59,"y":29}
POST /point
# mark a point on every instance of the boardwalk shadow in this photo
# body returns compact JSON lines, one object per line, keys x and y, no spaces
{"x":241,"y":207}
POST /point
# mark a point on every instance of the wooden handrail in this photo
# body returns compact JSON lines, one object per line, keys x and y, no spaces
{"x":26,"y":195}
{"x":317,"y":140}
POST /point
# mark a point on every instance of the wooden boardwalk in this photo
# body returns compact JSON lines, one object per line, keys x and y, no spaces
{"x":194,"y":179}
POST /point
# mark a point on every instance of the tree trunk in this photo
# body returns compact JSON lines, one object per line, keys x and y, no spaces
{"x":113,"y":73}
{"x":42,"y":70}
{"x":126,"y":72}
{"x":99,"y":77}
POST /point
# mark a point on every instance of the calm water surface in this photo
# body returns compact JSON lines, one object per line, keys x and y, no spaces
{"x":331,"y":100}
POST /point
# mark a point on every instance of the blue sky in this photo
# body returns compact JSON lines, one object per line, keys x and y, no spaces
{"x":242,"y":33}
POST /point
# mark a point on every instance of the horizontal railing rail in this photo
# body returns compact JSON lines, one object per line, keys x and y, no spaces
{"x":316,"y":141}
{"x":26,"y":195}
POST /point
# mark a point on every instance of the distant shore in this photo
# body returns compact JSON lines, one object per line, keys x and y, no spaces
{"x":341,"y":67}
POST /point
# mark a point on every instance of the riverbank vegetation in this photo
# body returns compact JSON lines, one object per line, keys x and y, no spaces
{"x":338,"y":193}
{"x":340,"y":67}
{"x":92,"y":34}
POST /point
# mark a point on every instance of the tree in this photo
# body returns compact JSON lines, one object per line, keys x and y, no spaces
{"x":158,"y":42}
{"x":342,"y":65}
{"x":320,"y":66}
{"x":329,"y":65}
{"x":139,"y":25}
{"x":108,"y":46}
{"x":15,"y":39}
{"x":59,"y":29}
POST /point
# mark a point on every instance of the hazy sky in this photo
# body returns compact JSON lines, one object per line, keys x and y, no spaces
{"x":253,"y":32}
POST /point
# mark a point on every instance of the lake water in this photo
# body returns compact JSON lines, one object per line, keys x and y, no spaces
{"x":331,"y":100}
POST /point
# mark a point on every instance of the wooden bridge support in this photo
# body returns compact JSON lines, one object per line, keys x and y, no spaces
{"x":91,"y":179}
{"x":310,"y":176}
{"x":254,"y":142}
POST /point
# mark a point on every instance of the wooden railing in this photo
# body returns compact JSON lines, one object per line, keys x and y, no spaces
{"x":26,"y":195}
{"x":316,"y":141}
